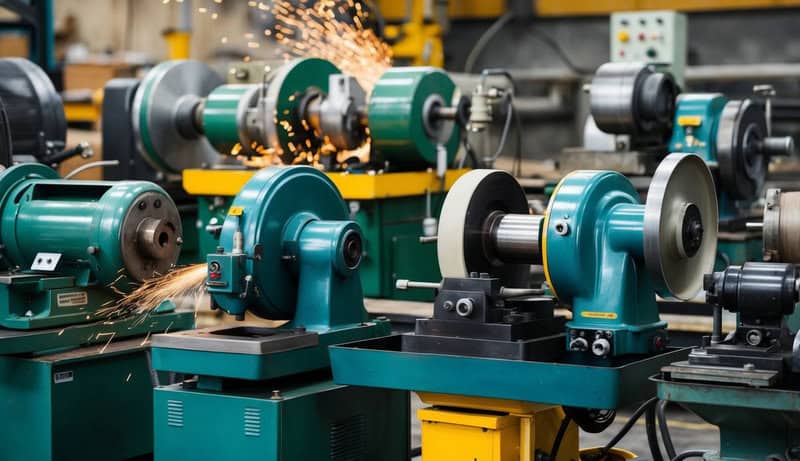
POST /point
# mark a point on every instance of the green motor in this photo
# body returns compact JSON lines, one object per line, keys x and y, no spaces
{"x":99,"y":232}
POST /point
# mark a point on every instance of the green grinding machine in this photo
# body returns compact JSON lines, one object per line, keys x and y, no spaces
{"x":496,"y":352}
{"x":390,"y":150}
{"x":74,"y":370}
{"x":287,"y":252}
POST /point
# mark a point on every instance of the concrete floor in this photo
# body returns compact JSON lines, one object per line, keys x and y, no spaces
{"x":687,"y":430}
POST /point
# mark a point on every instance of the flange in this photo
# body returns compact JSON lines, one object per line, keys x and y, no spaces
{"x":781,"y":228}
{"x":286,"y":94}
{"x":463,"y":245}
{"x":680,"y":226}
{"x":163,"y":115}
{"x":743,"y":164}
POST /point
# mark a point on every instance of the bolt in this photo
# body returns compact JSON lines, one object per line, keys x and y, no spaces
{"x":179,"y":241}
{"x":562,"y":228}
{"x":157,"y":203}
{"x":749,"y":367}
{"x":142,"y":205}
{"x":276,"y":395}
{"x":92,"y":250}
{"x":464,"y":307}
{"x":448,"y":306}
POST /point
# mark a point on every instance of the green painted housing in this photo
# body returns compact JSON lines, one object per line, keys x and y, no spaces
{"x":605,"y":229}
{"x":754,"y":423}
{"x":80,"y":404}
{"x":310,"y":420}
{"x":224,"y":113}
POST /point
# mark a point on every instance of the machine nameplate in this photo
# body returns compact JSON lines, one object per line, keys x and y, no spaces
{"x":72,"y":299}
{"x":599,"y":315}
{"x":63,"y":377}
{"x":235,"y":211}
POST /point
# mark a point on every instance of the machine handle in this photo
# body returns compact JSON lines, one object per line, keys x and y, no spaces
{"x":404,"y":284}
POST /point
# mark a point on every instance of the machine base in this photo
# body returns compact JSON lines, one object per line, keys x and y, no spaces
{"x":754,"y":423}
{"x":387,"y":363}
{"x":92,"y":403}
{"x":309,"y":419}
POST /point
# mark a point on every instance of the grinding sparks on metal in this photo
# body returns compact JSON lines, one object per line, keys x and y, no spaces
{"x":177,"y":285}
{"x":324,"y":31}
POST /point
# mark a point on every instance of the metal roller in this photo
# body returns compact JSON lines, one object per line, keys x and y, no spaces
{"x":634,"y":99}
{"x":680,"y":226}
{"x":33,"y":111}
{"x":225,"y":118}
{"x":407,"y":120}
{"x":488,"y":228}
{"x":781,"y":227}
{"x":165,"y":120}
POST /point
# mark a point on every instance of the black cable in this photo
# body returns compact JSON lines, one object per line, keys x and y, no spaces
{"x":666,"y":438}
{"x":562,"y":430}
{"x":517,"y":166}
{"x":628,"y":425}
{"x":652,"y":434}
{"x":689,"y":454}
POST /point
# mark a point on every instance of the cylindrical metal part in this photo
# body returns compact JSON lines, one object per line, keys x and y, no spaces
{"x":516,"y":238}
{"x":781,"y":226}
{"x":225,"y":121}
{"x":446,"y":112}
{"x":777,"y":146}
{"x":767,"y":289}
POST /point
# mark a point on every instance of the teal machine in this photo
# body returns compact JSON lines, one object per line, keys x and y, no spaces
{"x":605,"y":256}
{"x":390,"y":151}
{"x":734,"y":137}
{"x":74,"y":372}
{"x":747,"y":382}
{"x":288,"y":252}
{"x":638,"y":115}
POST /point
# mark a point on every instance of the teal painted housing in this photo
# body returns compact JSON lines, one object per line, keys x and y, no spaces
{"x":77,"y":405}
{"x":754,"y":423}
{"x":595,"y":263}
{"x":700,"y":140}
{"x":310,"y":420}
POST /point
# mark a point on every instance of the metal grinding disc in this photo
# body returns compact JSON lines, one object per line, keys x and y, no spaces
{"x":462,"y":226}
{"x":288,"y":88}
{"x":743,"y":166}
{"x":681,"y":195}
{"x":161,"y":112}
{"x":149,"y":236}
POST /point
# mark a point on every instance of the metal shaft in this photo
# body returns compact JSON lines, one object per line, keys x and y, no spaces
{"x":516,"y":238}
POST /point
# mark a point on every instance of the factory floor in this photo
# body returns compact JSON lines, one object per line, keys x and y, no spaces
{"x":687,"y":430}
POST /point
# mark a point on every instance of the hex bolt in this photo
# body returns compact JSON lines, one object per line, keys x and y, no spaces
{"x":562,"y":228}
{"x":601,"y":347}
{"x":448,"y":306}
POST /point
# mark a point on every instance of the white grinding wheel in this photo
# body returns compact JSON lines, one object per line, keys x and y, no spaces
{"x":461,"y":243}
{"x":681,"y":193}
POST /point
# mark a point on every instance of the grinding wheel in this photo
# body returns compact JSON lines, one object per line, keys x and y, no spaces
{"x":162,"y":115}
{"x":461,"y":246}
{"x":680,"y":226}
{"x":742,"y":164}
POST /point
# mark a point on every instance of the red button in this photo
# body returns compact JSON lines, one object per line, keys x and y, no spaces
{"x":214,"y":275}
{"x":642,"y":36}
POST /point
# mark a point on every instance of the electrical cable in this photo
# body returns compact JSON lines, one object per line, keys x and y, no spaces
{"x":562,"y":430}
{"x":666,"y":438}
{"x":652,"y":434}
{"x":414,"y":452}
{"x":628,"y":425}
{"x":484,"y":40}
{"x":562,"y":55}
{"x":689,"y":454}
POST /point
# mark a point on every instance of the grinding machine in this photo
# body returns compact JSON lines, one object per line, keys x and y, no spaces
{"x":288,"y":252}
{"x":747,"y":382}
{"x":75,"y":378}
{"x":494,"y":345}
{"x":186,"y":121}
{"x":638,"y":115}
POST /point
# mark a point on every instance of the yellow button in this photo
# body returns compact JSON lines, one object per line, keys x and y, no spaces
{"x":623,"y":36}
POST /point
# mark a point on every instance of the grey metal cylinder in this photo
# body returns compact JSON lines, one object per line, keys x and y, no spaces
{"x":781,"y":227}
{"x":777,"y":146}
{"x":516,"y":237}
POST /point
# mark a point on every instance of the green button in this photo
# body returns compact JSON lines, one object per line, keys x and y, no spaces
{"x":652,"y":53}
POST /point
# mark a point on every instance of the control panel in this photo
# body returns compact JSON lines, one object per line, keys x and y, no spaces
{"x":650,"y":36}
